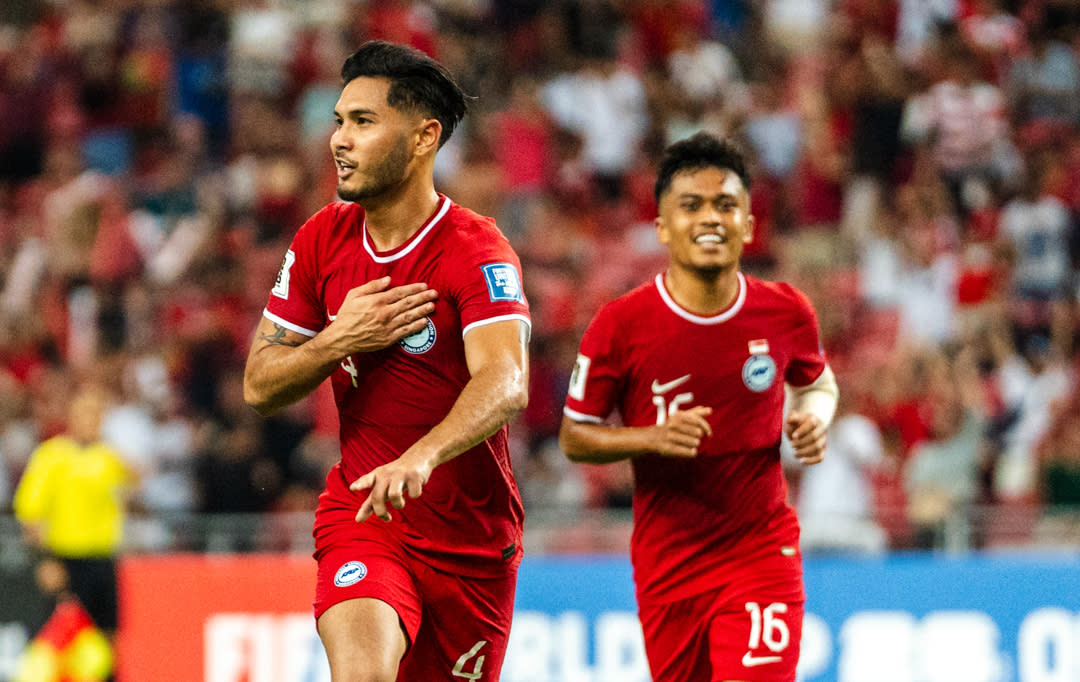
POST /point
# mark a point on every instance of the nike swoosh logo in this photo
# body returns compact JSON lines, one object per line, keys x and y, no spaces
{"x":749,"y":660}
{"x":659,"y":388}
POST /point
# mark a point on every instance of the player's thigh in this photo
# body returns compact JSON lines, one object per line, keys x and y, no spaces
{"x":363,"y":638}
{"x":465,"y":627}
{"x":757,"y":640}
{"x":677,"y":639}
{"x":367,"y":604}
{"x":709,"y":637}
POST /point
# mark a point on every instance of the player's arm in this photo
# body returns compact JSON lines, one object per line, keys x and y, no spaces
{"x":497,"y":356}
{"x":679,"y":436}
{"x":31,"y":500}
{"x":811,"y":412}
{"x":283,"y":365}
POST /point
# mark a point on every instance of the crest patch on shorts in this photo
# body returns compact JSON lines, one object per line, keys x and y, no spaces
{"x":350,"y":573}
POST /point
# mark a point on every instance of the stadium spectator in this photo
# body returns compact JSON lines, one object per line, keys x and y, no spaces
{"x":523,"y":147}
{"x":880,"y":87}
{"x":413,"y":307}
{"x":961,"y":120}
{"x":929,"y":270}
{"x":917,"y":27}
{"x":1033,"y":382}
{"x":604,"y":102}
{"x":941,"y":476}
{"x":995,"y":35}
{"x":1059,"y":478}
{"x":155,"y":439}
{"x":835,"y":499}
{"x":1035,"y":226}
{"x":703,"y":431}
{"x":1043,"y":84}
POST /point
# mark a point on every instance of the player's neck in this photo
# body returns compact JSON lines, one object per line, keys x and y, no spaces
{"x":702,"y":294}
{"x":393,"y":219}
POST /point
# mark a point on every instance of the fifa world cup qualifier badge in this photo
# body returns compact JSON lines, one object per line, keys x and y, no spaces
{"x":281,"y":284}
{"x":759,"y":370}
{"x":503,"y":282}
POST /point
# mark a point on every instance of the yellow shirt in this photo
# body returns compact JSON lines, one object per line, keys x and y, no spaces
{"x":75,"y":494}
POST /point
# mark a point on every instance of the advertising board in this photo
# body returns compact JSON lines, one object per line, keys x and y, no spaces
{"x":915,"y":618}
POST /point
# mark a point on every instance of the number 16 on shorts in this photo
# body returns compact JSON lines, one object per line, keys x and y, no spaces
{"x":766,"y":627}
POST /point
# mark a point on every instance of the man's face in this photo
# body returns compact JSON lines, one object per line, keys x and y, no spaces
{"x":372,"y":143}
{"x":705,"y":219}
{"x":85,"y":414}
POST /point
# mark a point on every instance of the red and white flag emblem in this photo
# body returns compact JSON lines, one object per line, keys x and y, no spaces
{"x":759,"y":346}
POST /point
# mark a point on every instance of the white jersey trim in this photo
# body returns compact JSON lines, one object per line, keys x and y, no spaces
{"x":419,"y":237}
{"x":581,"y":416}
{"x":700,"y":319}
{"x":497,"y":318}
{"x":288,"y":325}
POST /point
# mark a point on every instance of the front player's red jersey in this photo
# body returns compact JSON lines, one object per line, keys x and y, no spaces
{"x":469,"y":517}
{"x":697,"y":520}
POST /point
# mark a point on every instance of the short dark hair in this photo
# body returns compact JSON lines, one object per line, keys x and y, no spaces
{"x":417,"y":82}
{"x":694,"y":153}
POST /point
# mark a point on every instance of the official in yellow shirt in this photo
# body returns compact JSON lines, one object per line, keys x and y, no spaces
{"x":71,"y":502}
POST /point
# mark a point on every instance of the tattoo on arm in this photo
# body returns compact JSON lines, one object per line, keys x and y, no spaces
{"x":277,"y":337}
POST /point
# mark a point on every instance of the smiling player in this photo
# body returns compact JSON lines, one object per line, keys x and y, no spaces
{"x":696,"y":363}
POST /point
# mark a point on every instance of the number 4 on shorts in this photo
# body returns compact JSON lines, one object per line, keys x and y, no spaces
{"x":477,"y":671}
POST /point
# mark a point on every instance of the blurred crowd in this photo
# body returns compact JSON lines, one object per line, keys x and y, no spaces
{"x":917,"y":173}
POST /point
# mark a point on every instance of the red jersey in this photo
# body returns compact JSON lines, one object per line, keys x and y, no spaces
{"x":696,"y":520}
{"x":469,"y":516}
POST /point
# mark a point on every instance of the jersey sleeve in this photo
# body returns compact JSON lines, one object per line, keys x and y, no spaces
{"x":807,"y":354}
{"x":32,"y":493}
{"x":488,"y":286}
{"x":597,"y":375}
{"x":293,"y":302}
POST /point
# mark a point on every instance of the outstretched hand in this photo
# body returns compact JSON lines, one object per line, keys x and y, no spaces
{"x":681,"y":434}
{"x":807,"y":436}
{"x":388,"y":484}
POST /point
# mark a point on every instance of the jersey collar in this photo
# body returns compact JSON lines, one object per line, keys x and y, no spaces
{"x":405,"y":249}
{"x":726,"y":315}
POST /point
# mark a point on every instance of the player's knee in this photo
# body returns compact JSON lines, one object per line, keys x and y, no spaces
{"x":362,"y":671}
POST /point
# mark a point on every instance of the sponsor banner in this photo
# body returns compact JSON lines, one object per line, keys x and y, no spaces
{"x":911,"y":618}
{"x":218,"y":618}
{"x":908,"y":618}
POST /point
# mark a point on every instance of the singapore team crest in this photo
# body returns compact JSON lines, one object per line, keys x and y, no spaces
{"x":350,"y":573}
{"x":759,"y":372}
{"x":421,"y":341}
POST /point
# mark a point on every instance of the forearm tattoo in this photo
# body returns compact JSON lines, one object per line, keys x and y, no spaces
{"x":277,"y":337}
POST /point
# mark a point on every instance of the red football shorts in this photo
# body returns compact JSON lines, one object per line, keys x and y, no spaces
{"x":749,"y":629}
{"x":458,"y":626}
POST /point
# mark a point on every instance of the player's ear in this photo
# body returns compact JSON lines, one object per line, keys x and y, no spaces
{"x":427,"y":137}
{"x":662,"y":234}
{"x":748,"y":235}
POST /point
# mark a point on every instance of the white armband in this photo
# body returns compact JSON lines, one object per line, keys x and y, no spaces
{"x":818,"y":398}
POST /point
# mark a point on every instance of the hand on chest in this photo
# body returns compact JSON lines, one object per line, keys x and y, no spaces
{"x":442,"y":324}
